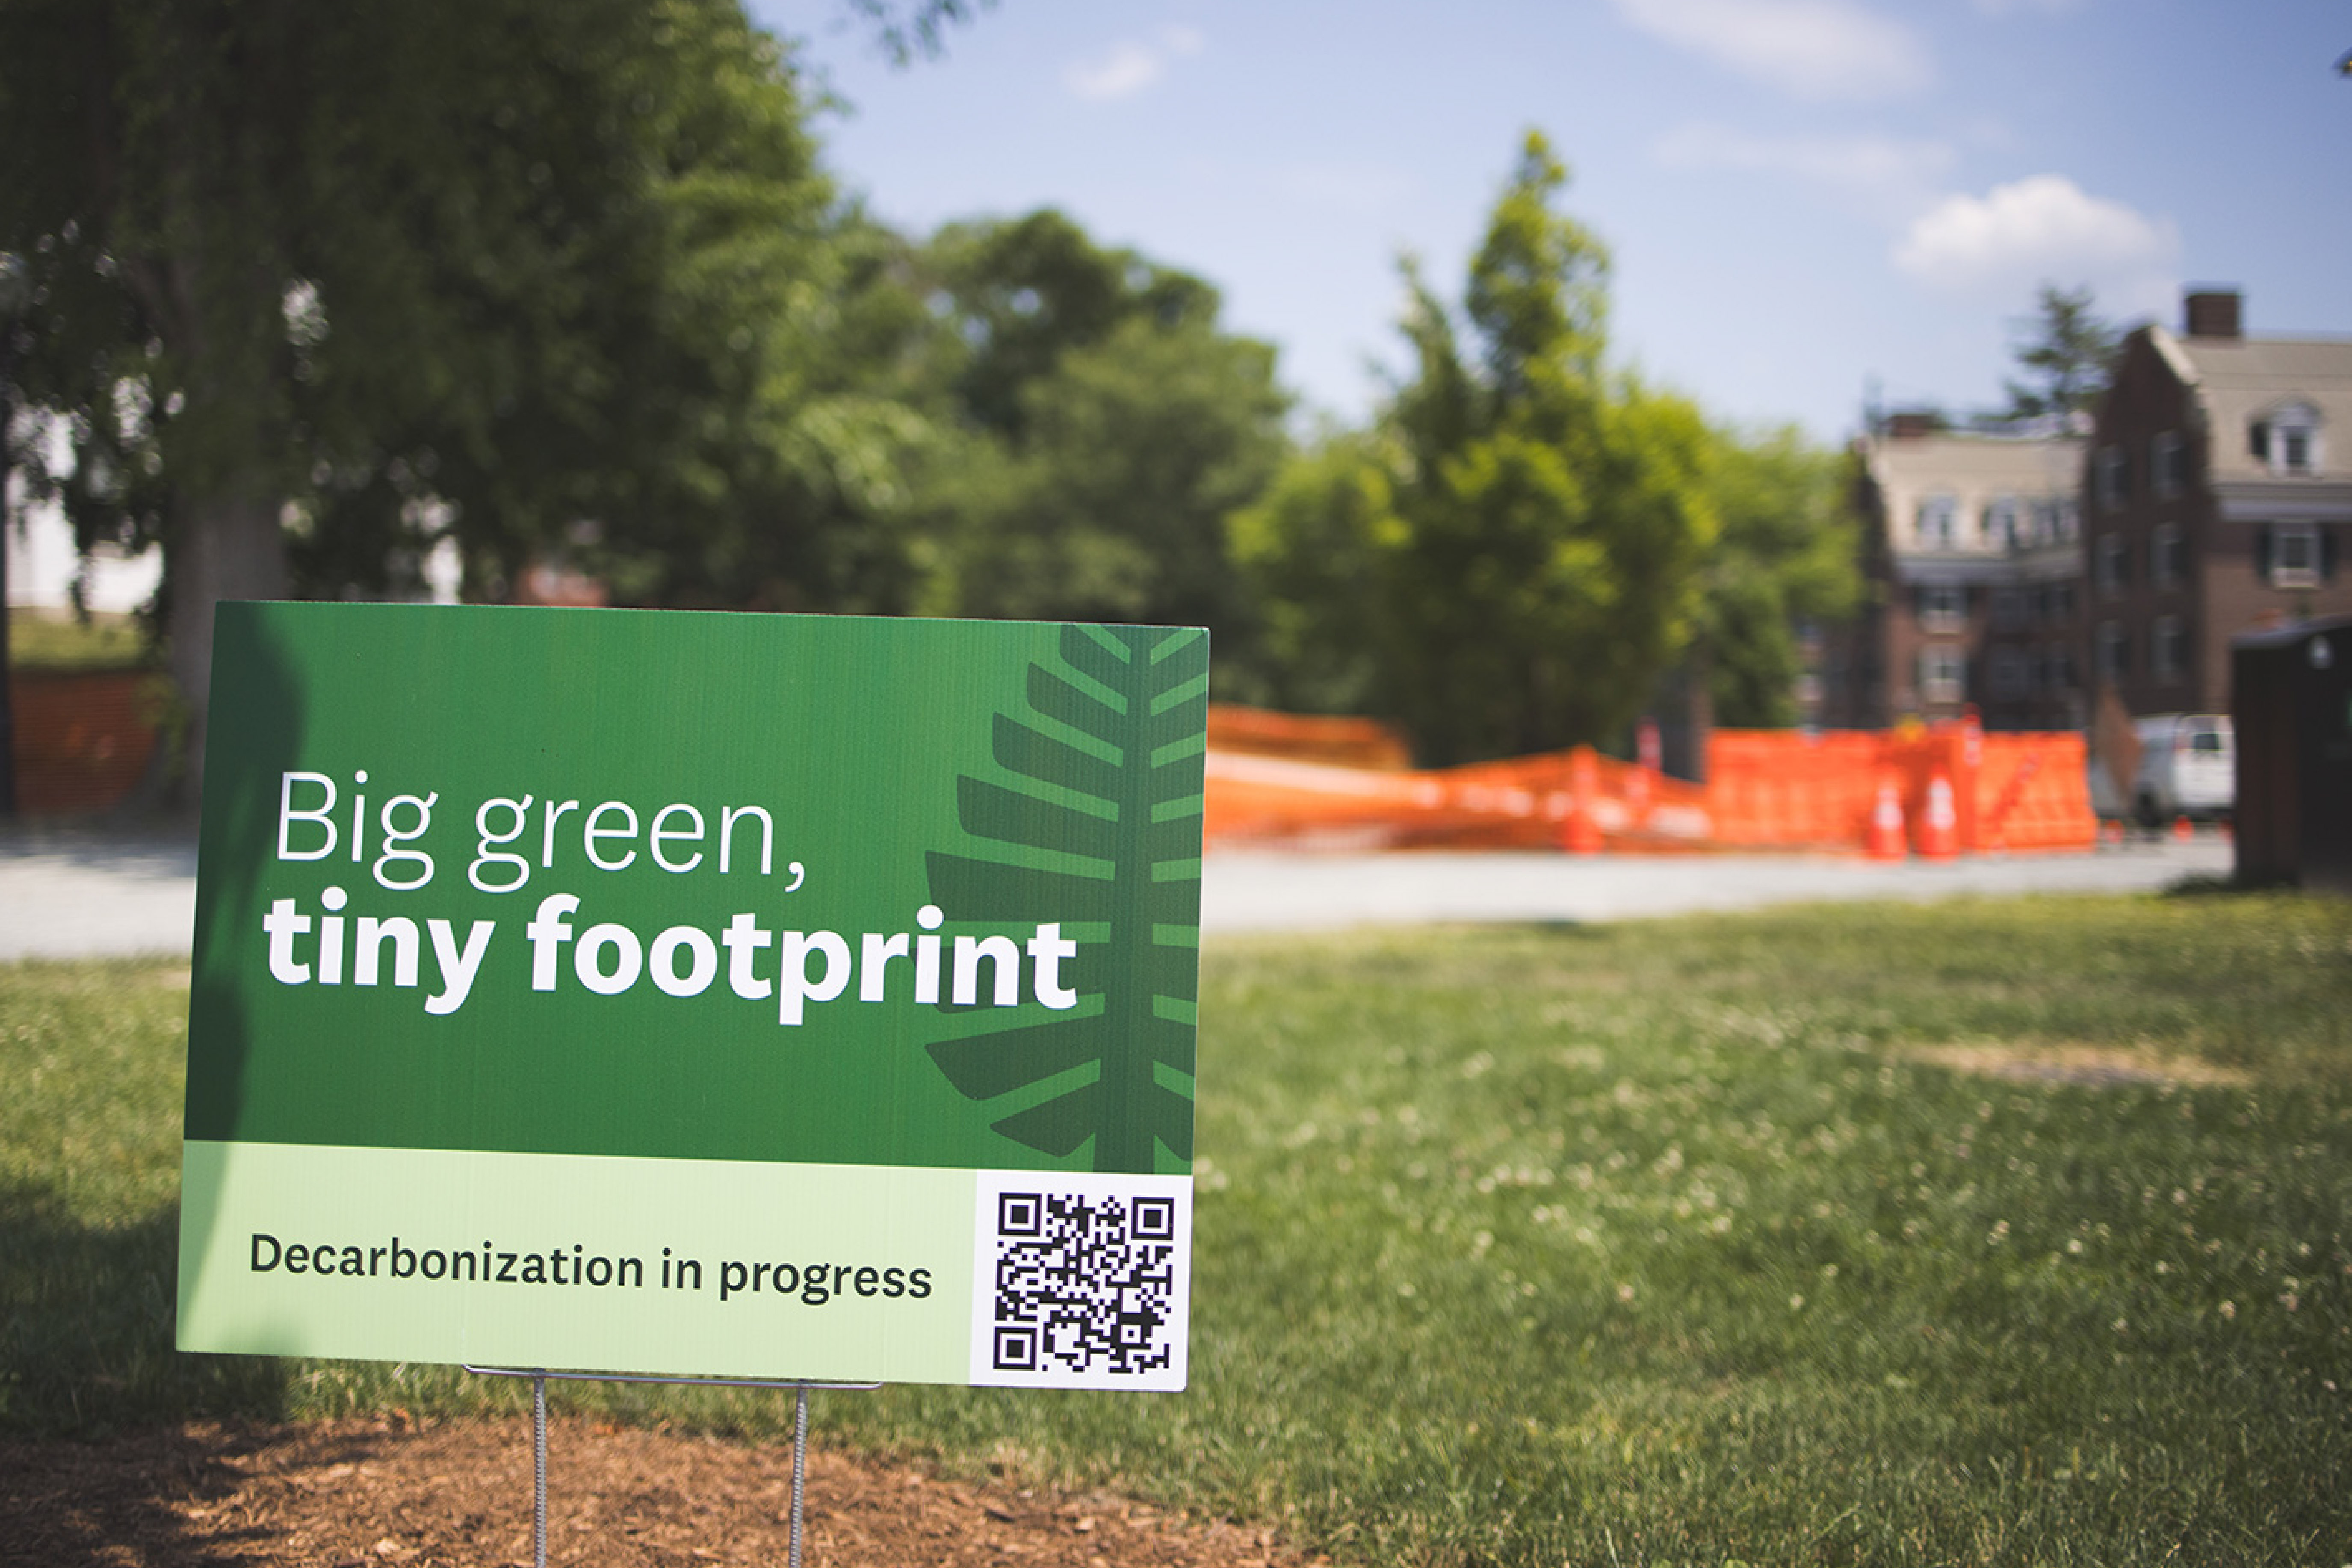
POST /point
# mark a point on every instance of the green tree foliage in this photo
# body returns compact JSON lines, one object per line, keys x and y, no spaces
{"x":317,"y":284}
{"x":2066,"y":353}
{"x":1785,"y":556}
{"x":1104,"y":426}
{"x":1513,"y":556}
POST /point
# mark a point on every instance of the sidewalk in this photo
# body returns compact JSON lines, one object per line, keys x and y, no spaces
{"x":1245,"y":892}
{"x":67,"y":894}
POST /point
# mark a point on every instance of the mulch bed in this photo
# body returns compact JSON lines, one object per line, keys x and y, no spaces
{"x":387,"y":1491}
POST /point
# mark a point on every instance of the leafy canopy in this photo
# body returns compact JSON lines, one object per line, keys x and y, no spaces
{"x":1508,"y":561}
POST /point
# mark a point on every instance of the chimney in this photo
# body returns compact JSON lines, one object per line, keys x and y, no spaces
{"x":1913,"y":423}
{"x":2214,"y":313}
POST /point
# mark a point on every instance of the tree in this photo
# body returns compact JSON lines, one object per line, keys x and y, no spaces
{"x":1785,"y":556}
{"x":2066,"y":353}
{"x":320,"y":285}
{"x":1527,"y":553}
{"x":1106,"y":426}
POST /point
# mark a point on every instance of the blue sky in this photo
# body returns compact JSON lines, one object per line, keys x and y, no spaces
{"x":1799,"y":195}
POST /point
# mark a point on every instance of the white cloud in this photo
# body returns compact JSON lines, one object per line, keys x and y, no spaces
{"x":1130,"y":66}
{"x":1811,"y":49}
{"x":1890,"y":179}
{"x":2041,"y":228}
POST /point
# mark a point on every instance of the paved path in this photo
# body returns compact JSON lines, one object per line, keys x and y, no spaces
{"x":76,"y":894}
{"x":69,"y":894}
{"x":1287,"y":892}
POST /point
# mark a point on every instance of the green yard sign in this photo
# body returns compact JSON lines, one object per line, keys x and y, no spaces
{"x":758,"y":995}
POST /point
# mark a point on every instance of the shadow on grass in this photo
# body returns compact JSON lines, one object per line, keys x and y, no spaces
{"x":86,"y":1318}
{"x":2208,"y":886}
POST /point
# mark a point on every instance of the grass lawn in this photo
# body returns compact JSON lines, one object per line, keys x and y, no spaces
{"x":1990,"y":1232}
{"x":54,"y":642}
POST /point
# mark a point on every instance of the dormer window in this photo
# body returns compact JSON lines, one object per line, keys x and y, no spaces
{"x":1936,"y":520}
{"x":2286,"y":440}
{"x":2001,"y":525}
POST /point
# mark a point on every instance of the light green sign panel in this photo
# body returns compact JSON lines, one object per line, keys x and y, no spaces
{"x":763,"y":996}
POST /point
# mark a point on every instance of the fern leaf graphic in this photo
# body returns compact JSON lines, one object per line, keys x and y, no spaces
{"x":1130,"y":803}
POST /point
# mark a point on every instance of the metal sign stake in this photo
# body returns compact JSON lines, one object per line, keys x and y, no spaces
{"x":538,"y":1467}
{"x":539,"y":1376}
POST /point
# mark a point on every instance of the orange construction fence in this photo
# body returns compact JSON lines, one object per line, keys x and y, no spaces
{"x":83,"y":741}
{"x":1764,"y":789}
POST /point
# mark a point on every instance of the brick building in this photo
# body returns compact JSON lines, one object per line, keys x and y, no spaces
{"x":1972,"y":555}
{"x":2218,"y":498}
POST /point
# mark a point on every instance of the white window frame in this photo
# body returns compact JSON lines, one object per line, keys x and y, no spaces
{"x":2004,"y":527}
{"x":1943,"y":673}
{"x":2271,"y":436}
{"x":2303,"y":576}
{"x":1935,"y":524}
{"x":1938,"y":616}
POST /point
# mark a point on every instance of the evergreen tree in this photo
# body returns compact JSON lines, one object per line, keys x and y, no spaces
{"x":2065,"y":351}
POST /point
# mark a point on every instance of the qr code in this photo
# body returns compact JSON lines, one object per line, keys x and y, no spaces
{"x":1086,"y":1287}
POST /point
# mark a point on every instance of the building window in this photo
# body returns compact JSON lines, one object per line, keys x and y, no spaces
{"x":2114,"y":651}
{"x":1938,"y":520}
{"x":2286,"y":441}
{"x":2011,"y":676}
{"x":2169,"y":556}
{"x":2111,"y":477}
{"x":2167,"y":465}
{"x":2058,"y":603}
{"x":2008,"y":609}
{"x":2059,"y":669}
{"x":2293,"y":551}
{"x":2167,"y":648}
{"x":2115,"y":562}
{"x":2003,"y":530}
{"x":1943,"y":675}
{"x":1941,"y":606}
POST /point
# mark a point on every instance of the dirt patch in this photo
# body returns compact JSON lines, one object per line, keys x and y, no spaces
{"x":2098,"y":1065}
{"x":383,"y":1492}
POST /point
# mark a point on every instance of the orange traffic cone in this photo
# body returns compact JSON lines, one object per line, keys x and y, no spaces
{"x":1885,"y":839}
{"x":1939,"y":833}
{"x":2183,"y":830}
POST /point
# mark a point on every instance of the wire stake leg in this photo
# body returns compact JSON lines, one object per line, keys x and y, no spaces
{"x":538,"y":1467}
{"x":800,"y":1470}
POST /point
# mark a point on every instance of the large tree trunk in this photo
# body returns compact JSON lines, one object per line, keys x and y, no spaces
{"x":223,"y":547}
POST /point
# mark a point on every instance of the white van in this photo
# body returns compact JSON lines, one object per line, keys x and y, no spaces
{"x":2187,"y":767}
